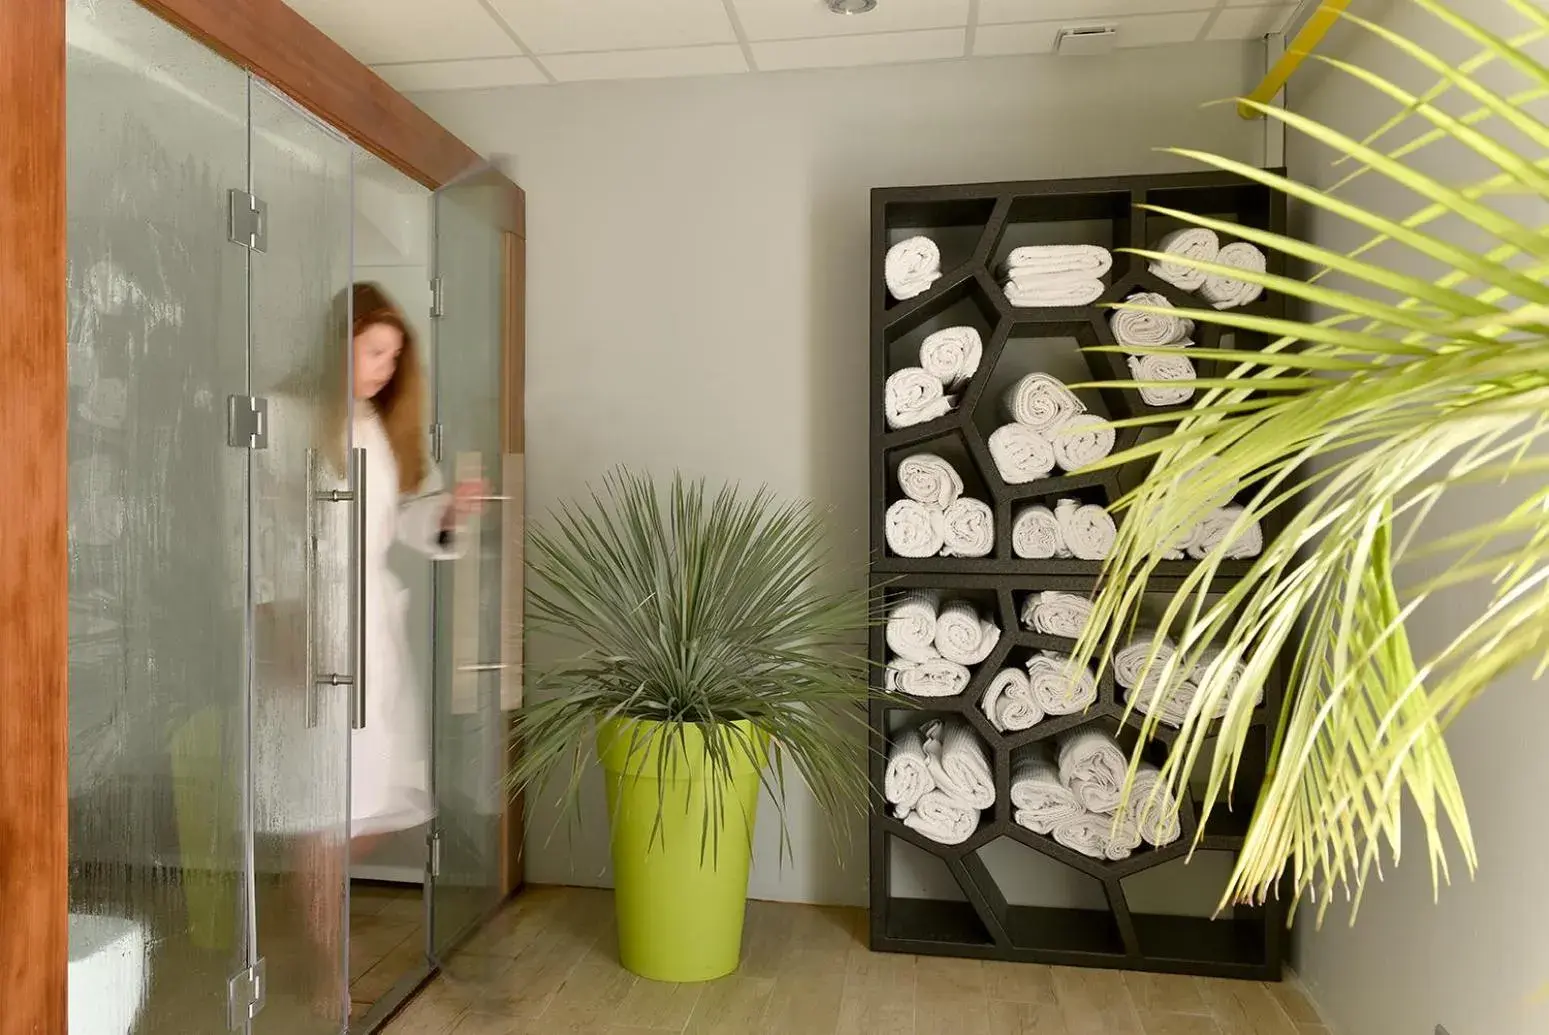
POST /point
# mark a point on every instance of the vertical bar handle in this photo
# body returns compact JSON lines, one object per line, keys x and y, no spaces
{"x":358,"y":597}
{"x":309,"y":589}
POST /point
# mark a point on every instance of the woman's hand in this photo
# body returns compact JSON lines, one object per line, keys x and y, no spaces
{"x":465,"y":502}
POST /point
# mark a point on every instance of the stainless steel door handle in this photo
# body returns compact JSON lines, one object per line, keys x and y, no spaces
{"x":494,"y":666}
{"x":309,"y":590}
{"x":488,"y":499}
{"x":353,"y":496}
{"x":358,"y":554}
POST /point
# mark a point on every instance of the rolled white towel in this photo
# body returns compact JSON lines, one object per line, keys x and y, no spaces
{"x":1021,"y":454}
{"x":914,"y":529}
{"x":1171,"y":367}
{"x":943,"y":818}
{"x":969,"y":529}
{"x":1131,"y":327}
{"x":1210,"y":535}
{"x":937,"y":677}
{"x":1042,"y":402}
{"x":959,"y":762}
{"x":1051,"y":291}
{"x":1035,"y":534}
{"x":1086,"y":833}
{"x":1228,"y":292}
{"x":1081,"y":441}
{"x":952,"y":354}
{"x":911,"y":267}
{"x":1193,"y":242}
{"x":1094,"y":767}
{"x":1129,"y":661}
{"x":1008,"y":702}
{"x":1155,"y":820}
{"x":962,"y":636}
{"x":1089,"y":260}
{"x":1123,"y":838}
{"x":1057,"y":614}
{"x":1171,"y":707}
{"x":1210,"y":656}
{"x":1040,"y":800}
{"x":1055,"y":688}
{"x":927,"y":478}
{"x":908,"y":774}
{"x":1086,"y":529}
{"x":913,"y":396}
{"x":911,"y":626}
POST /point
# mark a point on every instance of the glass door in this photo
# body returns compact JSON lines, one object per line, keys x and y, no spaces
{"x":468,"y":727}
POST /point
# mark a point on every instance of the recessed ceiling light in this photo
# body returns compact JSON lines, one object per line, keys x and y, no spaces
{"x":851,"y":6}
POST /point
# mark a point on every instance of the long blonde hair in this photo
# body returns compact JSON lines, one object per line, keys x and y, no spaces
{"x":400,"y":405}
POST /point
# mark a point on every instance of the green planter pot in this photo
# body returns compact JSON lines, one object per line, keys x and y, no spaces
{"x":680,"y":909}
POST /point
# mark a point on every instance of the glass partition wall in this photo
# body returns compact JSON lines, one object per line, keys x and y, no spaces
{"x":216,"y":538}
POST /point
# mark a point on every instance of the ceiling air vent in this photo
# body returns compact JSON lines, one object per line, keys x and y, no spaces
{"x":1086,"y":40}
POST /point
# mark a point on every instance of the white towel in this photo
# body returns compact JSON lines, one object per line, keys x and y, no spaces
{"x":1094,"y":767}
{"x":911,"y":267}
{"x":908,"y":773}
{"x":1086,"y":833}
{"x":1210,"y":656}
{"x":1130,"y":659}
{"x":1035,"y":534}
{"x":1042,"y":402}
{"x":1123,"y":838}
{"x":913,"y":396}
{"x":1057,"y":614}
{"x":1040,"y":800}
{"x":1008,"y":702}
{"x":1021,"y":454}
{"x":1169,"y":367}
{"x":1174,"y":705}
{"x":911,"y":626}
{"x":1055,"y":689}
{"x":969,"y":529}
{"x":937,"y":677}
{"x":1057,"y":290}
{"x":1210,"y":535}
{"x":952,"y":354}
{"x":1081,"y":441}
{"x":1191,"y":242}
{"x":962,"y":636}
{"x":1086,"y":529}
{"x":959,"y":762}
{"x":1229,"y":292}
{"x":943,"y":819}
{"x":1155,"y":820}
{"x":1089,"y":260}
{"x":1136,"y":328}
{"x":914,"y":529}
{"x":927,"y":478}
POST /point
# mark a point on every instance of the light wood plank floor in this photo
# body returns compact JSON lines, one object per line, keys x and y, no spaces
{"x":548,"y":966}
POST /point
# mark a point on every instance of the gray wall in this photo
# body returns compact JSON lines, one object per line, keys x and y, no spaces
{"x":698,"y":281}
{"x":1472,"y":960}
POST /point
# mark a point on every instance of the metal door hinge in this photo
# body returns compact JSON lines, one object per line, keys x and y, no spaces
{"x":437,"y":298}
{"x":247,"y":422}
{"x":245,"y":994}
{"x":434,"y":864}
{"x":249,"y":221}
{"x":437,"y":438}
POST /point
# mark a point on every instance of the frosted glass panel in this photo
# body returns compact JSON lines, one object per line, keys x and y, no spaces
{"x":301,"y":585}
{"x":158,"y":882}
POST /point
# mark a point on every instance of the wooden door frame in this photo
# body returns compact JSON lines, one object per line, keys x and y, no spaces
{"x":272,"y":41}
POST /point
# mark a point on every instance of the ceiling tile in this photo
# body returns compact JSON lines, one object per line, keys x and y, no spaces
{"x":559,"y":26}
{"x":377,"y":31}
{"x":659,"y":63}
{"x":835,"y":51}
{"x":1148,"y":30}
{"x":472,"y":74}
{"x":992,"y":12}
{"x":1243,"y":23}
{"x":798,"y":19}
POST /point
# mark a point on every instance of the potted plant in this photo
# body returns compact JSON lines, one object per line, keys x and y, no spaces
{"x":712,"y":660}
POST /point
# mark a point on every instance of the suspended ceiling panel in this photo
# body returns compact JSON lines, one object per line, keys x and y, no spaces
{"x":472,"y":44}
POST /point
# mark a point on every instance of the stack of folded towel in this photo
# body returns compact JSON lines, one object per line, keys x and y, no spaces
{"x":932,"y":644}
{"x":1221,"y":291}
{"x":934,"y":517}
{"x":1143,"y":685}
{"x":1072,"y":529}
{"x":1055,"y":275}
{"x":911,"y":267}
{"x":916,"y":395}
{"x":1073,"y":796}
{"x":1214,"y":534}
{"x":939,"y":780}
{"x":1155,"y":330}
{"x":1018,"y":699}
{"x":1057,"y":614}
{"x":1049,"y":428}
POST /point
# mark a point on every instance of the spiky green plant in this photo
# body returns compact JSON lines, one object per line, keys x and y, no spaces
{"x":703,"y":609}
{"x":1350,"y":429}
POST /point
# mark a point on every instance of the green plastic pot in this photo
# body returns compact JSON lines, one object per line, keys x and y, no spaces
{"x":680,"y":901}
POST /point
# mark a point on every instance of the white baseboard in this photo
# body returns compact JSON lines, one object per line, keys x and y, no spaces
{"x":391,"y":874}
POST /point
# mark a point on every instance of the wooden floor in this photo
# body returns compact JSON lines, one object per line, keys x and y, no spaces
{"x":387,"y":939}
{"x":548,"y":966}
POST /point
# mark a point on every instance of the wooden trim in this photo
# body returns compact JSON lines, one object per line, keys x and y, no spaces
{"x":34,"y":583}
{"x":513,"y":335}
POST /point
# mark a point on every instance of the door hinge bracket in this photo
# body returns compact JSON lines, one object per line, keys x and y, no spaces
{"x":437,"y":298}
{"x":245,"y":994}
{"x":247,"y":422}
{"x":434,"y":862}
{"x":248,"y":221}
